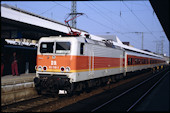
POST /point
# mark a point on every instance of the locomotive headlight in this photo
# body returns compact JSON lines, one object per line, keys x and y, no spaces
{"x":39,"y":68}
{"x":62,"y":69}
{"x":45,"y":68}
{"x":67,"y":69}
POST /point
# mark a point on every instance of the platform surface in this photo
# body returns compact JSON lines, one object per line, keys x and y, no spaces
{"x":10,"y":80}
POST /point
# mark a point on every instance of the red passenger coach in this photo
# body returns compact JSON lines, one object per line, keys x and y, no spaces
{"x":138,"y":60}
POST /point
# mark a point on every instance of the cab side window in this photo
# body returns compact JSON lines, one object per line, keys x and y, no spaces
{"x":81,"y":48}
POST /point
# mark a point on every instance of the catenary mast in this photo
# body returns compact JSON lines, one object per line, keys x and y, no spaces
{"x":73,"y":13}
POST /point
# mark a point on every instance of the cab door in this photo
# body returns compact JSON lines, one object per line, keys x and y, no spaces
{"x":91,"y":62}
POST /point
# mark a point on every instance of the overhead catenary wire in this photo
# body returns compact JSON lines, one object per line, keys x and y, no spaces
{"x":113,"y":12}
{"x":154,"y":16}
{"x":126,"y":22}
{"x":62,"y":5}
{"x":118,"y":31}
{"x":108,"y":18}
{"x":139,"y":20}
{"x":111,"y":19}
{"x":87,"y":17}
{"x":128,"y":36}
{"x":106,"y":26}
{"x":48,"y":9}
{"x":100,"y":22}
{"x":107,"y":9}
{"x":145,"y":3}
{"x":156,"y":21}
{"x":91,"y":18}
{"x":118,"y":15}
{"x":101,"y":15}
{"x":103,"y":25}
{"x":100,"y":12}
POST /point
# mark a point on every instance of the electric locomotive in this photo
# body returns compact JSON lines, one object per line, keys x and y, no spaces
{"x":77,"y":63}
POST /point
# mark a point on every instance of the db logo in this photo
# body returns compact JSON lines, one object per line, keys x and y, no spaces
{"x":53,"y":63}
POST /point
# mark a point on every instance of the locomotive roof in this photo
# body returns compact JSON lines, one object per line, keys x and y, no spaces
{"x":116,"y":44}
{"x":136,"y":50}
{"x":116,"y":41}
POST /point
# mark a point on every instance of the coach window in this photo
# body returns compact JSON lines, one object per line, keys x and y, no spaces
{"x":143,"y":61}
{"x":128,"y":61}
{"x":81,"y":48}
{"x":133,"y":61}
{"x":138,"y":61}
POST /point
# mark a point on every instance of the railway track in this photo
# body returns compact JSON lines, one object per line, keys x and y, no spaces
{"x":49,"y":104}
{"x":131,"y":97}
{"x":27,"y":104}
{"x":137,"y":101}
{"x":121,"y":98}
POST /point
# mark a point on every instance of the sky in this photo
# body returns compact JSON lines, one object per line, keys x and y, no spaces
{"x":125,"y":19}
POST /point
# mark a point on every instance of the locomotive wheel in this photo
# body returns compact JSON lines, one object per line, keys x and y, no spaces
{"x":70,"y":90}
{"x":87,"y":89}
{"x":98,"y":82}
{"x":39,"y":92}
{"x":38,"y":89}
{"x":55,"y":94}
{"x":55,"y":90}
{"x":69,"y":93}
{"x":153,"y":70}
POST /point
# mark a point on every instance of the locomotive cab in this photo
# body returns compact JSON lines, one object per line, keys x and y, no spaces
{"x":56,"y":63}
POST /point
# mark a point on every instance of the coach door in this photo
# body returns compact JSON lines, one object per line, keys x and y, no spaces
{"x":121,"y":63}
{"x":125,"y":62}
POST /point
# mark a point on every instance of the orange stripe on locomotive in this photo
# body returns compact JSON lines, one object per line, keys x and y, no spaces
{"x":76,"y":63}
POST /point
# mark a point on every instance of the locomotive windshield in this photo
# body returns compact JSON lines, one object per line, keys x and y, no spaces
{"x":46,"y":47}
{"x":60,"y":47}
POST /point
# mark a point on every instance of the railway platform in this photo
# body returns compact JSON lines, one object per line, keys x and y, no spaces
{"x":17,"y":88}
{"x":11,"y":80}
